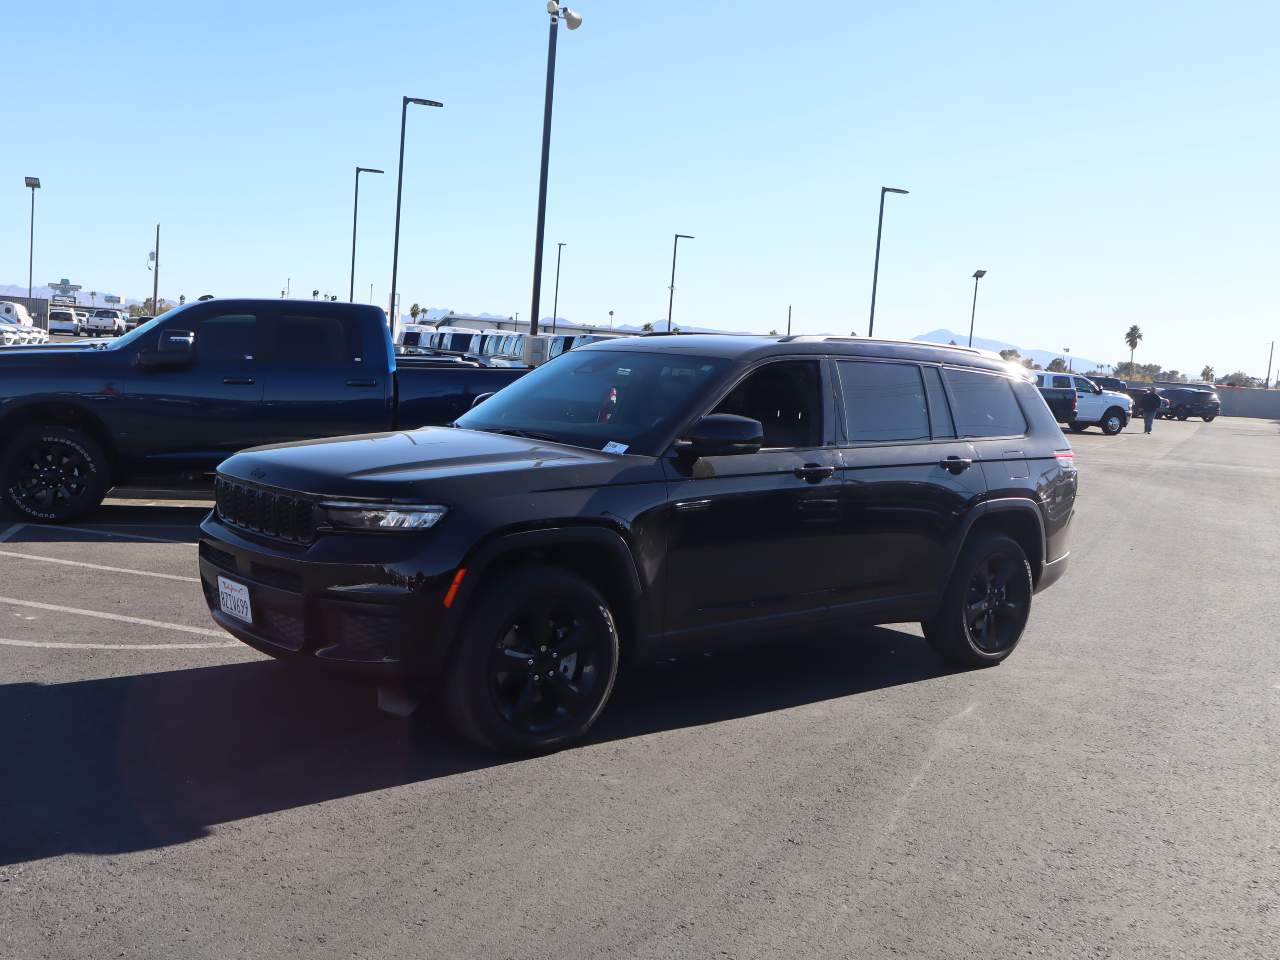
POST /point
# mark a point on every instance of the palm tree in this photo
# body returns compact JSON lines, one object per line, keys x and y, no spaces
{"x":413,"y":312}
{"x":646,"y":328}
{"x":1133,"y":337}
{"x":1207,"y":374}
{"x":93,"y":297}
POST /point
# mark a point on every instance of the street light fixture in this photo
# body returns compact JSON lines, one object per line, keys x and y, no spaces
{"x":977,"y":275}
{"x":354,"y":216}
{"x":395,"y":255}
{"x":34,"y":184}
{"x":555,"y":304}
{"x":875,"y":273}
{"x":671,"y":294}
{"x":572,"y":20}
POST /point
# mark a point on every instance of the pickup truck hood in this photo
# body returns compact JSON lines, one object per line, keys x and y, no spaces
{"x":1123,"y":398}
{"x":435,"y":462}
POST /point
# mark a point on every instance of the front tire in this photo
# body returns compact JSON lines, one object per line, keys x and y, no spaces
{"x":986,"y":604}
{"x":1209,"y":418}
{"x":536,"y":664}
{"x":1112,"y":422}
{"x":53,"y":474}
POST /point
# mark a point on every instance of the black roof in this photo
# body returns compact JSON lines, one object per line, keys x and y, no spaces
{"x":746,"y":348}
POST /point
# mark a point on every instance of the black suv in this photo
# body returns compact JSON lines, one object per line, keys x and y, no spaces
{"x":645,"y":498}
{"x":1187,"y":402}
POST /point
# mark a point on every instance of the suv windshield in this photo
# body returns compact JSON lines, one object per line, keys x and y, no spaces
{"x":598,"y":397}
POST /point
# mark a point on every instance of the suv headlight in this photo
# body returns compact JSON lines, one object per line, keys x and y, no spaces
{"x":378,"y":517}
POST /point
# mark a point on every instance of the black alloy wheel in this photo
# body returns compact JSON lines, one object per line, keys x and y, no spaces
{"x":986,"y":605}
{"x":53,"y":474}
{"x":537,"y":662}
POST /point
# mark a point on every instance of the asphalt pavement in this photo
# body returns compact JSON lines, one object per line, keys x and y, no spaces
{"x":1109,"y":791}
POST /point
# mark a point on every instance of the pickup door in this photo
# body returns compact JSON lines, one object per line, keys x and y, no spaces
{"x":325,"y":374}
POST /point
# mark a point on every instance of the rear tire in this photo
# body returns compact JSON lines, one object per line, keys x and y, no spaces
{"x":986,"y":605}
{"x":536,"y":663}
{"x":52,"y":474}
{"x":1077,"y":427}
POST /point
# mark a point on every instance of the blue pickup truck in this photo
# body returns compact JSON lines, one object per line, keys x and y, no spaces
{"x":173,"y":398}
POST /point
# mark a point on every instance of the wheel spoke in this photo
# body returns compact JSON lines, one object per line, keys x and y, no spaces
{"x":569,"y":696}
{"x":522,"y":709}
{"x":571,"y":641}
{"x":512,"y":660}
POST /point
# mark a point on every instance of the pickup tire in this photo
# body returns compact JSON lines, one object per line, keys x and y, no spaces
{"x":53,"y":474}
{"x":1112,"y":421}
{"x":1075,"y":426}
{"x":535,"y":664}
{"x":1209,"y":418}
{"x":986,"y":604}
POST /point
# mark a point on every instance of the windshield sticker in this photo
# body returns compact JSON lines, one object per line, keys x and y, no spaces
{"x":624,"y":371}
{"x":614,"y":447}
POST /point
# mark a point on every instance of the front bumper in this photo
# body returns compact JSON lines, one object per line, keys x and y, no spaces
{"x":362,"y":604}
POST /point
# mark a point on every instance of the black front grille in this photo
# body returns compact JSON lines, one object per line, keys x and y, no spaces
{"x":262,"y":510}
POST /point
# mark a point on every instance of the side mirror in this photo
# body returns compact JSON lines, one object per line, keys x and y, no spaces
{"x":481,"y":398}
{"x":721,"y":435}
{"x":177,"y":348}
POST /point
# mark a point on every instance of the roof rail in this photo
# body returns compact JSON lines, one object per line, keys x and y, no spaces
{"x":822,"y":338}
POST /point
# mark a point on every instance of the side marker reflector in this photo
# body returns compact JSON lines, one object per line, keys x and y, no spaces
{"x":453,"y":587}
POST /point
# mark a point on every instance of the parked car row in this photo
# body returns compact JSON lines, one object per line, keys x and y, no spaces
{"x":16,"y":326}
{"x":1176,"y":403}
{"x":490,"y":347}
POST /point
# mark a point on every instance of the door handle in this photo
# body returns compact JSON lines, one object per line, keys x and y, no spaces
{"x":956,"y":465}
{"x":814,"y":472}
{"x":362,"y":383}
{"x":688,"y":506}
{"x":240,"y":381}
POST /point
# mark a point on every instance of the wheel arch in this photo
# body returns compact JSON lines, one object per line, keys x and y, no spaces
{"x":1017,"y":518}
{"x":62,"y":413}
{"x":598,"y":554}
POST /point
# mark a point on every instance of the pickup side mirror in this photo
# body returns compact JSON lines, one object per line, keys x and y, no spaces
{"x":721,"y":435}
{"x":481,"y":398}
{"x":176,"y":348}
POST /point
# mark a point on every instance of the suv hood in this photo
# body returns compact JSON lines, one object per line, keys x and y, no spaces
{"x":444,"y":463}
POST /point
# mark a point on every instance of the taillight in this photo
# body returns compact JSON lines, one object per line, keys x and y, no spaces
{"x":1066,"y":459}
{"x":1075,"y":401}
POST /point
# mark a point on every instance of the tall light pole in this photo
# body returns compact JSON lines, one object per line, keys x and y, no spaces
{"x":977,"y":275}
{"x":671,"y":291}
{"x":555,"y":304}
{"x":875,"y":273}
{"x":572,"y":20}
{"x":34,"y":184}
{"x":354,"y":216}
{"x":788,"y":319}
{"x":395,"y":254}
{"x":1266,"y":384}
{"x":610,"y":320}
{"x":155,"y":278}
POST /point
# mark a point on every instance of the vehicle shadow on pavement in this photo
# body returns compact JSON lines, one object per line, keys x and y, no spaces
{"x":132,"y":763}
{"x":179,"y":524}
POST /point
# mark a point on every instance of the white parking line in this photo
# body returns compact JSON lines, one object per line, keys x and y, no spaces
{"x":56,"y":608}
{"x":49,"y":645}
{"x":97,"y":566}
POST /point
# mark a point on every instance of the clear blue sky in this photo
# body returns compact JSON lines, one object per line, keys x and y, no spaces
{"x":1107,"y":163}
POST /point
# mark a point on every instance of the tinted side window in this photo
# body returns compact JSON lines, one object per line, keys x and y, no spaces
{"x":939,"y":408}
{"x":1062,"y":382}
{"x":984,"y":405}
{"x":786,"y":397}
{"x":231,"y":338}
{"x":883,"y":401}
{"x":317,"y":339}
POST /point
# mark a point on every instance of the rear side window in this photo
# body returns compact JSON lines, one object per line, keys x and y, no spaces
{"x":984,"y":405}
{"x":317,"y":339}
{"x":1062,"y":383}
{"x":883,"y":401}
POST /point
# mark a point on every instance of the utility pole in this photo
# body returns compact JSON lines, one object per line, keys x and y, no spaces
{"x":1266,"y":384}
{"x":155,"y":279}
{"x":788,"y":319}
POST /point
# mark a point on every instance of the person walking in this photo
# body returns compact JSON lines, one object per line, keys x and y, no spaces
{"x":1149,"y":404}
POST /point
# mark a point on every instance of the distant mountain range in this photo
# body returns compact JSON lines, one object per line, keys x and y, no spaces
{"x":1041,"y":357}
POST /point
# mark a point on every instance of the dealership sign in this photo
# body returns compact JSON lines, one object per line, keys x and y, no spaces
{"x":66,"y":287}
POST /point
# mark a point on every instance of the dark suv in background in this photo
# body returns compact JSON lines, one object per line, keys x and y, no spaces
{"x":646,"y":498}
{"x":1187,"y":402}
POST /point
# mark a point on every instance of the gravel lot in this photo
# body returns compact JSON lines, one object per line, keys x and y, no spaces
{"x":1110,"y":791}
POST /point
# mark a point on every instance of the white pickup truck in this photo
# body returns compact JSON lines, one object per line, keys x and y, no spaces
{"x":106,"y":321}
{"x":1095,"y":407}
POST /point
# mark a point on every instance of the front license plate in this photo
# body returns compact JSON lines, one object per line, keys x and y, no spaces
{"x":234,"y":599}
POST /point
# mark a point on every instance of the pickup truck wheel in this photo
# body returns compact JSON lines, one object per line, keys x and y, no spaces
{"x":1209,"y":418}
{"x":535,"y":665}
{"x":1076,"y":427}
{"x":1112,"y":422}
{"x":986,"y":604}
{"x":53,"y":474}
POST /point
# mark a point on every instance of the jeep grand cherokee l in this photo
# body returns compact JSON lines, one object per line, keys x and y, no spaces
{"x":645,"y":498}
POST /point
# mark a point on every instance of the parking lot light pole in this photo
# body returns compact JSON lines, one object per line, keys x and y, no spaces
{"x":671,"y":290}
{"x":875,"y":273}
{"x":34,"y":184}
{"x":977,"y":275}
{"x":555,"y":304}
{"x":572,"y":20}
{"x":351,"y":296}
{"x":155,"y":278}
{"x":1266,"y":384}
{"x":395,"y":254}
